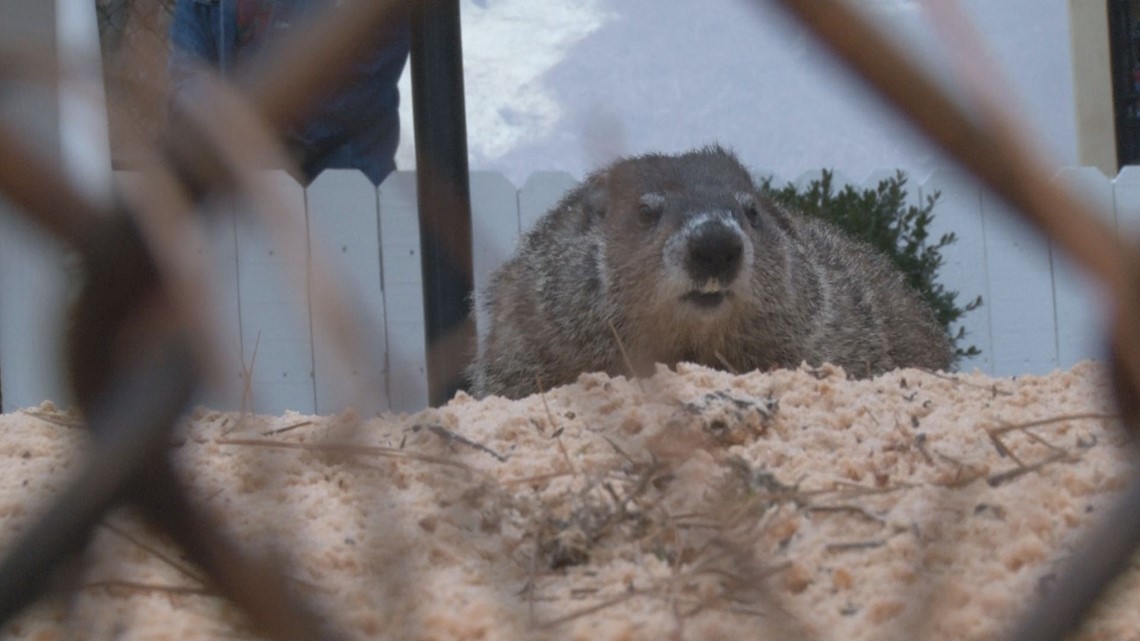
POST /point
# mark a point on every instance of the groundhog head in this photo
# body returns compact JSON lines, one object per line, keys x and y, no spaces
{"x":682,"y":234}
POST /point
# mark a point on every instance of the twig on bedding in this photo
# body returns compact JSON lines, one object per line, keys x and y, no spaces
{"x":187,"y":570}
{"x":287,"y":428}
{"x":1004,"y":477}
{"x":342,"y":448}
{"x":557,"y":436}
{"x":448,"y":435}
{"x":625,"y":357}
{"x":1010,"y":427}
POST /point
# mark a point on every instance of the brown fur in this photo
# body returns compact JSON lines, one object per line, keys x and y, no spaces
{"x":601,"y":258}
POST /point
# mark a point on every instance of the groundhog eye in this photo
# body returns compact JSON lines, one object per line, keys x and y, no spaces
{"x":751,"y":209}
{"x":646,"y":215}
{"x":649,"y":209}
{"x":753,"y":214}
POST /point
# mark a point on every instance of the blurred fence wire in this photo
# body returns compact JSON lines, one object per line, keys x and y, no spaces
{"x":136,"y":346}
{"x":134,"y":337}
{"x":989,"y":142}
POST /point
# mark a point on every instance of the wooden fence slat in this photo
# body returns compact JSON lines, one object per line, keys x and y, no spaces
{"x":958,"y":210}
{"x":838,"y":180}
{"x":274,"y":310}
{"x":1082,"y":309}
{"x":494,"y":221}
{"x":403,"y":292}
{"x":541,"y":191}
{"x":344,"y":234}
{"x":801,"y":181}
{"x":495,"y":229}
{"x":1126,"y":193}
{"x":1021,"y":293}
{"x":879,"y":175}
{"x":1039,"y":313}
{"x":34,"y":287}
{"x":222,"y":253}
{"x":759,"y":174}
{"x":964,"y":270}
{"x":217,"y":249}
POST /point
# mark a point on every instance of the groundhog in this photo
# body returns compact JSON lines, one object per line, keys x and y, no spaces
{"x":680,"y":258}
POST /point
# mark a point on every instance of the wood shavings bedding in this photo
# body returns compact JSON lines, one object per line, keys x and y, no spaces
{"x":693,"y":505}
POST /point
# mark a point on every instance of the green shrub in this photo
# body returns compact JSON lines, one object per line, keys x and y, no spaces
{"x":882,"y":217}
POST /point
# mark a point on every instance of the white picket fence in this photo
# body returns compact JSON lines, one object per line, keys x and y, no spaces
{"x":1039,"y":313}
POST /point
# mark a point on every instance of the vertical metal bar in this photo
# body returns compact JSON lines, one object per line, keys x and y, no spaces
{"x":1123,"y":58}
{"x":443,"y":192}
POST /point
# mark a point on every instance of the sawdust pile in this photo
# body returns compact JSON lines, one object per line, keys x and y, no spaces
{"x":695,"y":505}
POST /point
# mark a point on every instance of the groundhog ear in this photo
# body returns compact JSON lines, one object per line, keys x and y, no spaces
{"x":778,"y":213}
{"x":595,"y":196}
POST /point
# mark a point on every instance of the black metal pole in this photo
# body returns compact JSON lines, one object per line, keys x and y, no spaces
{"x":1122,"y":58}
{"x":444,"y":193}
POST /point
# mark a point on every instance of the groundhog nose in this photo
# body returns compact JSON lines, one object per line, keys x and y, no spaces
{"x":715,"y":251}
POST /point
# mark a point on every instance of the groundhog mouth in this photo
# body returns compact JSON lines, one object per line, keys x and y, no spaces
{"x":706,"y":300}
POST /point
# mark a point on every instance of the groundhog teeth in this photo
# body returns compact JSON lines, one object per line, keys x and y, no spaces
{"x":710,"y":287}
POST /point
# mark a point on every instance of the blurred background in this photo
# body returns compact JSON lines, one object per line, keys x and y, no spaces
{"x":569,"y":84}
